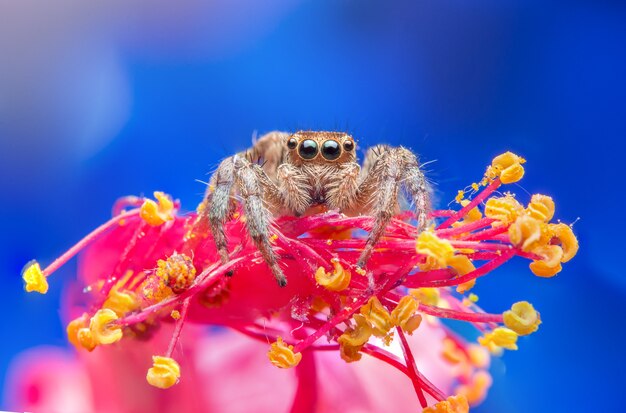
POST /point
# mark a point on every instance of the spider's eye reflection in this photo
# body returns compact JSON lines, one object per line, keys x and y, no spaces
{"x":308,"y":149}
{"x":331,"y":150}
{"x":292,"y":143}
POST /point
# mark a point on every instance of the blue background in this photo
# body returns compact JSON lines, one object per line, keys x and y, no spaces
{"x":95,"y":104}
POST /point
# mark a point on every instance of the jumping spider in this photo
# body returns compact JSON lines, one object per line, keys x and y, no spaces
{"x":306,"y":169}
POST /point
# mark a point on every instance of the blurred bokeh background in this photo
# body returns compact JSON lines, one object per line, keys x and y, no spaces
{"x":103,"y":99}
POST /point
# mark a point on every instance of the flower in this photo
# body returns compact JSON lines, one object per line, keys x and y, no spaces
{"x":151,"y":269}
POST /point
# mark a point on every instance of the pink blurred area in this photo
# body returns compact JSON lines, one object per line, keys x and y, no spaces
{"x":221,"y":371}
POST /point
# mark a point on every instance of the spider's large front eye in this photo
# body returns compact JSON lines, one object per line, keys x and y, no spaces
{"x":331,"y":150}
{"x":308,"y":149}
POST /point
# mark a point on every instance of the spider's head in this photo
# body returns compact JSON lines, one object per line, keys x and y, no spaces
{"x":321,"y":147}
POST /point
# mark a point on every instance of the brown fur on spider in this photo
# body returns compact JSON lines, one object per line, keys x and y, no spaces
{"x":292,"y":173}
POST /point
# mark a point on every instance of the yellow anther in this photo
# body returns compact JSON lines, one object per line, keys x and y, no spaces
{"x":430,"y":264}
{"x":281,"y":355}
{"x":430,"y":245}
{"x":404,"y":315}
{"x":338,"y":280}
{"x":568,"y":240}
{"x":453,"y":404}
{"x":378,"y":316}
{"x":361,"y":271}
{"x":357,"y":335}
{"x":478,"y":356}
{"x":102,"y":330}
{"x":512,"y":174}
{"x":473,"y":215}
{"x":522,"y":318}
{"x":475,"y":186}
{"x":451,"y":352}
{"x":476,"y":390}
{"x":507,"y":166}
{"x":503,"y":209}
{"x":175,"y":314}
{"x":121,"y":302}
{"x":156,"y":214}
{"x":526,"y":232}
{"x":473,"y":297}
{"x":318,"y":304}
{"x":506,"y":160}
{"x":541,"y":207}
{"x":164,"y":372}
{"x":459,"y":196}
{"x":85,"y":339}
{"x":551,"y":254}
{"x":34,"y":278}
{"x":500,"y":337}
{"x":353,"y":339}
{"x":349,"y":354}
{"x":427,"y":296}
{"x":177,"y":272}
{"x":79,"y":334}
{"x":541,"y":269}
{"x":463,"y":266}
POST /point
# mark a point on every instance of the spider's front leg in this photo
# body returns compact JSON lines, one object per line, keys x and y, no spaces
{"x":238,"y":174}
{"x":385,"y":171}
{"x":256,"y":189}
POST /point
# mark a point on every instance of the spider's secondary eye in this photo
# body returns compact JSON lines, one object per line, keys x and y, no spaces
{"x":308,"y":149}
{"x":292,"y":143}
{"x":348,"y":145}
{"x":331,"y":150}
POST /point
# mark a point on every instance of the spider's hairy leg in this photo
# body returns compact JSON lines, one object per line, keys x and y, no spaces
{"x":417,"y":187}
{"x":382,"y":173}
{"x":219,"y":205}
{"x":270,"y":149}
{"x":252,"y":183}
{"x":386,"y":169}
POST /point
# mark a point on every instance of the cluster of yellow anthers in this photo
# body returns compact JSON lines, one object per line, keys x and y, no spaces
{"x":172,"y":276}
{"x":521,"y":320}
{"x":472,"y":364}
{"x":87,"y":333}
{"x":532,"y":232}
{"x":508,"y":167}
{"x":441,"y":254}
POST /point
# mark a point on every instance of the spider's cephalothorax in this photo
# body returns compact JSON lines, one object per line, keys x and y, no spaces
{"x":290,"y":173}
